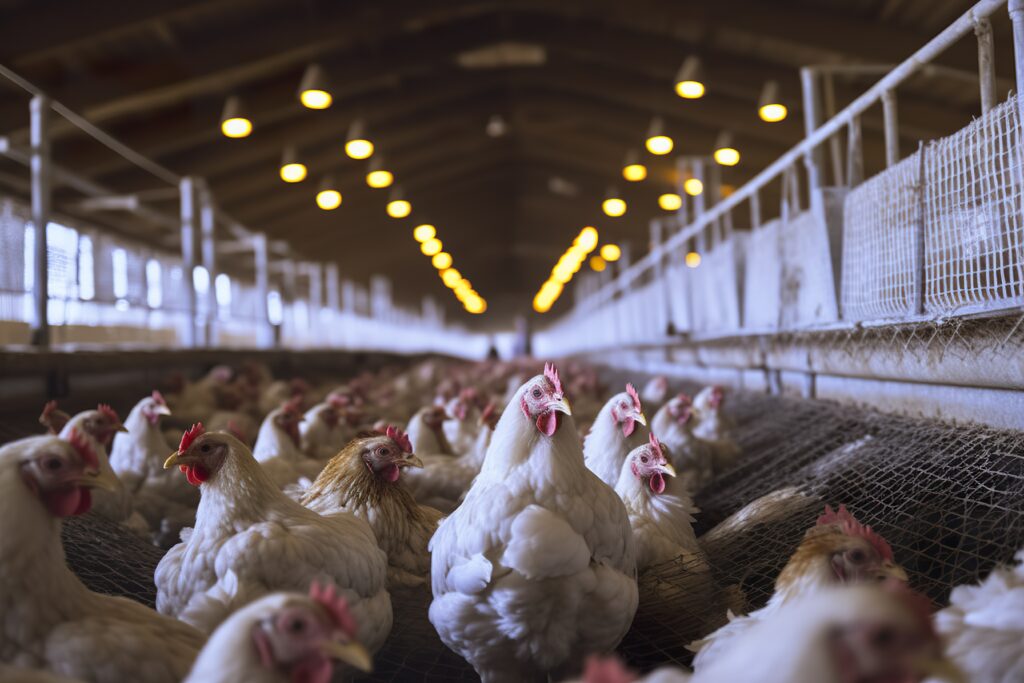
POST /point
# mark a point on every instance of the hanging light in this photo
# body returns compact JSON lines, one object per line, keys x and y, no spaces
{"x":357,"y":145}
{"x":670,"y":201}
{"x":725,"y":153}
{"x":377,"y":176}
{"x":613,"y":205}
{"x":692,"y":259}
{"x":233,"y":121}
{"x":422,"y":233}
{"x":657,"y":142}
{"x":442,"y":260}
{"x":451,"y":278}
{"x":431,"y":247}
{"x":769,"y":106}
{"x":597,"y":264}
{"x":328,"y":198}
{"x":632,"y":169}
{"x":496,"y":126}
{"x":292,"y":170}
{"x":688,"y":83}
{"x":475,"y":305}
{"x":313,"y":92}
{"x":692,"y":187}
{"x":398,"y":206}
{"x":611,"y":252}
{"x":587,"y":239}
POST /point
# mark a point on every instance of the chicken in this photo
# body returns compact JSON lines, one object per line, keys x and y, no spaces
{"x":251,"y":539}
{"x":461,"y":428}
{"x":713,"y":428}
{"x":655,"y":393}
{"x":536,"y":568}
{"x":51,"y":620}
{"x":198,"y":400}
{"x":983,"y":627}
{"x":242,"y":426}
{"x":281,"y":391}
{"x":690,"y":456}
{"x":99,"y":427}
{"x":53,"y":418}
{"x":614,"y":435}
{"x":365,"y":479}
{"x":837,"y":549}
{"x":283,"y":638}
{"x":278,"y":449}
{"x":839,"y":634}
{"x":164,"y":500}
{"x":443,"y":481}
{"x":426,"y":432}
{"x":323,"y":432}
{"x":17,"y":674}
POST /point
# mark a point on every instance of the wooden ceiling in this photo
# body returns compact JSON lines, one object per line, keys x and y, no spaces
{"x":156,"y":74}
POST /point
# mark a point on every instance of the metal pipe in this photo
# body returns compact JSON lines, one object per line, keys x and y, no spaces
{"x":1016,"y":9}
{"x":920,"y":233}
{"x":854,"y":153}
{"x":207,"y":221}
{"x":835,"y":144}
{"x":892,"y":128}
{"x":814,"y":155}
{"x":986,"y":64}
{"x":755,"y":210}
{"x":42,"y":188}
{"x":186,"y":189}
{"x":264,"y":330}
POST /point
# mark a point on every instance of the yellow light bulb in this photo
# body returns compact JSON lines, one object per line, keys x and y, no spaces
{"x":597,"y":264}
{"x":611,"y":252}
{"x":422,"y":233}
{"x":237,"y":127}
{"x":692,"y":259}
{"x":670,"y":201}
{"x":476,"y":305}
{"x":328,"y":200}
{"x":293,"y":173}
{"x":660,"y":144}
{"x":399,"y":208}
{"x":359,"y":149}
{"x":634,"y":173}
{"x":614,"y":207}
{"x":431,"y":247}
{"x":316,"y":99}
{"x":451,"y":278}
{"x":442,"y":260}
{"x":587,"y":239}
{"x":773,"y":113}
{"x":727,"y":156}
{"x":379,"y":179}
{"x":562,"y":273}
{"x":693,"y":187}
{"x":690,"y":90}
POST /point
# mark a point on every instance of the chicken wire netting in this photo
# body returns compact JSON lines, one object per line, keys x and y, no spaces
{"x":946,"y":496}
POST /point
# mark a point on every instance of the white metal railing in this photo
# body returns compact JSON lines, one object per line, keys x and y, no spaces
{"x":959,"y":225}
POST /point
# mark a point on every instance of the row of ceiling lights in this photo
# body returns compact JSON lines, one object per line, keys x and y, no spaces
{"x":570,"y":263}
{"x":314,"y":94}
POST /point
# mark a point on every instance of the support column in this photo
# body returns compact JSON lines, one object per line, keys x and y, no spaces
{"x":1016,"y":8}
{"x":42,"y":189}
{"x":186,"y":190}
{"x":986,"y":64}
{"x":814,"y":160}
{"x":892,"y":128}
{"x":264,"y":330}
{"x":207,"y":221}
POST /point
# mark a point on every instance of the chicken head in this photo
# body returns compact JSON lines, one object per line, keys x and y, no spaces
{"x":61,"y":473}
{"x":200,"y":454}
{"x":543,"y":401}
{"x":627,"y":411}
{"x":649,"y":464}
{"x":385,"y":456}
{"x":289,"y":417}
{"x":155,"y":407}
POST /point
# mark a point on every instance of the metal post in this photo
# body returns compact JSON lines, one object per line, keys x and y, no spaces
{"x":264,"y":330}
{"x":207,"y":220}
{"x":920,"y":234}
{"x":834,"y":143}
{"x":986,"y":64}
{"x":854,"y":154}
{"x":755,"y":210}
{"x":892,"y":128}
{"x":698,"y":201}
{"x":1016,"y":8}
{"x":186,"y":188}
{"x":40,"y":164}
{"x":331,"y":283}
{"x":814,"y":159}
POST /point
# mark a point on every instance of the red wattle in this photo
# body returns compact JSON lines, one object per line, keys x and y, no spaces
{"x":196,"y":474}
{"x":63,"y":503}
{"x":548,"y":422}
{"x":391,"y":473}
{"x":315,"y":670}
{"x":628,"y":425}
{"x":84,"y":502}
{"x":657,"y":483}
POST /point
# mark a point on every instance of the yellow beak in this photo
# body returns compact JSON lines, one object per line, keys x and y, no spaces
{"x":171,"y":461}
{"x":413,"y":461}
{"x":162,"y":410}
{"x":100,"y":480}
{"x":668,"y":469}
{"x":639,"y":417}
{"x":122,"y":428}
{"x":891,"y":570}
{"x":562,"y":406}
{"x":352,"y":654}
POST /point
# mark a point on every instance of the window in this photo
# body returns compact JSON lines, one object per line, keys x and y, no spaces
{"x":154,"y":284}
{"x":86,"y":269}
{"x":222,"y":288}
{"x":119,"y":261}
{"x":275,"y":309}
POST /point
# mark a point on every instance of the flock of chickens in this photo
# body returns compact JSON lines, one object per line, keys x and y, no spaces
{"x":301,"y":522}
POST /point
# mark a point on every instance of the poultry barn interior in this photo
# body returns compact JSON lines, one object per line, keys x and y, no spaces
{"x":698,"y":354}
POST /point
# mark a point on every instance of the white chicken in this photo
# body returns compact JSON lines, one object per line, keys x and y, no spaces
{"x":278,"y":446}
{"x":283,"y":638}
{"x":426,"y":432}
{"x":655,"y":393}
{"x":691,"y":456}
{"x":251,"y":539}
{"x":323,"y":432}
{"x":983,"y":627}
{"x":536,"y":568}
{"x":51,"y":620}
{"x":462,"y":426}
{"x":714,"y":428}
{"x":614,"y":434}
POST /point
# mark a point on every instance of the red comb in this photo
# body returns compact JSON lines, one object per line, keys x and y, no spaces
{"x":336,"y":606}
{"x":656,"y":445}
{"x":600,"y":669}
{"x":159,"y":398}
{"x":551,"y":372}
{"x":108,"y":412}
{"x":851,"y":527}
{"x":292,"y":405}
{"x":631,"y":390}
{"x":191,"y":435}
{"x":83,"y":448}
{"x":399,"y":437}
{"x":339,"y":400}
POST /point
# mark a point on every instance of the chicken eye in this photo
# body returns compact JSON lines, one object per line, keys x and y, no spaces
{"x":883,"y":637}
{"x":382,"y":451}
{"x":643,"y":458}
{"x":857,"y":556}
{"x":296,"y":625}
{"x":53,"y":464}
{"x":536,"y":393}
{"x":205,"y":448}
